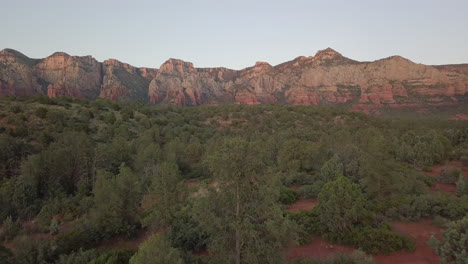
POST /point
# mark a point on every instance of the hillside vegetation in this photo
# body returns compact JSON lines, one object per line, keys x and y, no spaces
{"x":210,"y":184}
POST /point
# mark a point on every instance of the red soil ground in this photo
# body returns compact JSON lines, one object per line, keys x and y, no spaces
{"x":302,"y":205}
{"x":437,"y":169}
{"x":459,"y":117}
{"x":421,"y":231}
{"x":317,"y":249}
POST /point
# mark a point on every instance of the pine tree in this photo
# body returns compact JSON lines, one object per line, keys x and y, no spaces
{"x":116,"y":201}
{"x":167,"y":190}
{"x":241,"y":214}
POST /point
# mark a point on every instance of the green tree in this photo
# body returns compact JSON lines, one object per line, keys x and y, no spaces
{"x":116,"y":201}
{"x":10,"y":228}
{"x":461,"y":187}
{"x":167,"y":190}
{"x":341,"y":205}
{"x":157,"y":250}
{"x":296,"y":155}
{"x":6,"y":257}
{"x":241,"y":213}
{"x":54,"y":227}
{"x":454,"y":244}
{"x":332,"y":169}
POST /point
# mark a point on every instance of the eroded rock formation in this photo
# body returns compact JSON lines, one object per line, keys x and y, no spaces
{"x":326,"y":78}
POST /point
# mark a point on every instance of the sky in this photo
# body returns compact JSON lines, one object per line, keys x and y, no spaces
{"x":237,"y":33}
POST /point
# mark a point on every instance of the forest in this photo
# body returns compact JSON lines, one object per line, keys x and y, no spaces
{"x":99,"y":182}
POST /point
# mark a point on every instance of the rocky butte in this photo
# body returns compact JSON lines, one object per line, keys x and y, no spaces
{"x":326,"y":78}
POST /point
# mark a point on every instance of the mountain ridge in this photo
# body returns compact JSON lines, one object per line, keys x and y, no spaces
{"x":328,"y":77}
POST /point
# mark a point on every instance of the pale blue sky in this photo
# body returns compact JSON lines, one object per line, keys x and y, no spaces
{"x":236,"y":34}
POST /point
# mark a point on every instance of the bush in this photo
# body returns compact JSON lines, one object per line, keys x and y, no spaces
{"x":377,"y":241}
{"x":41,"y":112}
{"x":449,"y":176}
{"x":453,"y":247}
{"x":6,"y":257}
{"x":308,"y":222}
{"x":157,"y":249}
{"x":186,"y":233}
{"x":81,"y":237}
{"x":79,"y":257}
{"x":288,"y":196}
{"x":312,"y":190}
{"x":95,"y":257}
{"x":10,"y":229}
{"x":356,"y":257}
{"x":29,"y":251}
{"x":54,"y":227}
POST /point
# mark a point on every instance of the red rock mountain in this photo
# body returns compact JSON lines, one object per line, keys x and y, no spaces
{"x":326,"y":78}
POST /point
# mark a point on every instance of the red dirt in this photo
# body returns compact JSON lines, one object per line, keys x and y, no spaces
{"x":459,"y":117}
{"x":302,"y":205}
{"x":317,"y":249}
{"x":437,"y":169}
{"x":421,"y":231}
{"x":447,"y":188}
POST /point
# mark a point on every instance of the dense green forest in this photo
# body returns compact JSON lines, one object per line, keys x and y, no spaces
{"x":210,"y":184}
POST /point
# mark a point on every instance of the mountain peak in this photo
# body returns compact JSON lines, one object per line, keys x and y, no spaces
{"x":59,"y":54}
{"x":327,"y":53}
{"x":177,"y":65}
{"x":12,"y":52}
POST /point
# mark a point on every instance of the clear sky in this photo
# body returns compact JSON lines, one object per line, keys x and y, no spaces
{"x":237,"y":33}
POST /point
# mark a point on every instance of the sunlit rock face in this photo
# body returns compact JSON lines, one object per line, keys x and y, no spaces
{"x":326,"y":78}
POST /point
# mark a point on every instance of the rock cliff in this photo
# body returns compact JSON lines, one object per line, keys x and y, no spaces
{"x":326,"y":78}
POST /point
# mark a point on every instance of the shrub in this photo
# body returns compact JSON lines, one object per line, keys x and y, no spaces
{"x":79,"y":257}
{"x":453,"y":247}
{"x":375,"y":241}
{"x":41,"y":112}
{"x":449,"y":176}
{"x":157,"y":249}
{"x":54,"y":227}
{"x":461,"y":186}
{"x":311,"y":190}
{"x":288,"y":196}
{"x":356,"y":257}
{"x":10,"y":228}
{"x":6,"y":257}
{"x":308,"y":222}
{"x":29,"y":251}
{"x":186,"y":234}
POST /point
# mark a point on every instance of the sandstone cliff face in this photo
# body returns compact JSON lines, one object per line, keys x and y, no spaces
{"x":178,"y":82}
{"x":326,"y":78}
{"x":16,"y":75}
{"x":122,"y":81}
{"x":63,"y":75}
{"x":67,"y":75}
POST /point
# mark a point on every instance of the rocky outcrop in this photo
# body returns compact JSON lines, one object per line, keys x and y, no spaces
{"x":178,"y":82}
{"x":326,"y":78}
{"x":16,"y":74}
{"x":67,"y":75}
{"x":122,"y":81}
